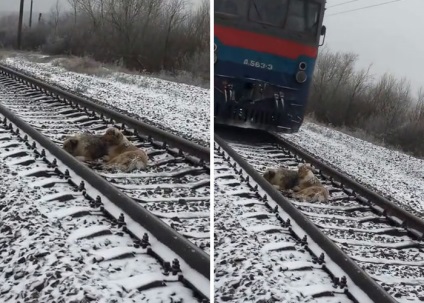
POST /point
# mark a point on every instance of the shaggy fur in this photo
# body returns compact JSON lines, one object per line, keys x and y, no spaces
{"x":312,"y":194}
{"x":86,"y":147}
{"x":281,"y":178}
{"x":306,"y":177}
{"x":122,"y":154}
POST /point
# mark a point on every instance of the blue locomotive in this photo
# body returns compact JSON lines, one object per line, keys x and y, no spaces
{"x":265,"y":53}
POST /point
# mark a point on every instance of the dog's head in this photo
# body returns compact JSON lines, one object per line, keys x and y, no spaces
{"x":269,"y":174}
{"x":71,"y":144}
{"x":304,"y":169}
{"x":113,"y":136}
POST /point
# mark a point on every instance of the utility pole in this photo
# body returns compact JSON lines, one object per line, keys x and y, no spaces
{"x":30,"y":15}
{"x":21,"y":14}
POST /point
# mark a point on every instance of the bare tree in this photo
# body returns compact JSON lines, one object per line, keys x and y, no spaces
{"x":74,"y":5}
{"x":359,"y":86}
{"x":139,"y":34}
{"x":174,"y":17}
{"x":55,"y":16}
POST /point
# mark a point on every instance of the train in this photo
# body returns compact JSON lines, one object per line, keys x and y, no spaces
{"x":264,"y":58}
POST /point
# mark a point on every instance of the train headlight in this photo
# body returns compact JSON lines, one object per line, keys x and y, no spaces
{"x":303,"y":65}
{"x":301,"y":76}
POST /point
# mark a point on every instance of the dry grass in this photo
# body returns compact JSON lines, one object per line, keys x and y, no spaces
{"x":89,"y":66}
{"x":184,"y":77}
{"x":83,"y":65}
{"x":4,"y":53}
{"x":365,"y":136}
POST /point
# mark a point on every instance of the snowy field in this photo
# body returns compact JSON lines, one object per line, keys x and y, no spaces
{"x":180,"y":108}
{"x":399,"y":177}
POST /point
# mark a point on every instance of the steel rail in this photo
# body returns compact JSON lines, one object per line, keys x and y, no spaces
{"x":183,"y":144}
{"x":191,"y":254}
{"x":361,"y":279}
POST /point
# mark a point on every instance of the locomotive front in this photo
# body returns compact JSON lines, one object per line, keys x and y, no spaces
{"x":265,"y":52}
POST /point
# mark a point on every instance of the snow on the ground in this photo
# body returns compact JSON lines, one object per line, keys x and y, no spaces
{"x":180,"y":108}
{"x":40,"y":261}
{"x":35,"y":257}
{"x":399,"y":177}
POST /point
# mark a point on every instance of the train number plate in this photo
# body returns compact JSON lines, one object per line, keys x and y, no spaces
{"x":257,"y":64}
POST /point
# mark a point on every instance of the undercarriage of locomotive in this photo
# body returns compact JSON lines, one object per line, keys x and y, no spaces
{"x":252,"y":103}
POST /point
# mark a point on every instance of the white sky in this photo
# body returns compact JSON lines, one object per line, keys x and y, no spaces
{"x":38,"y":5}
{"x":387,"y":36}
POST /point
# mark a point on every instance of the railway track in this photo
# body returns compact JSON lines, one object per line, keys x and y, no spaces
{"x":254,"y":251}
{"x":373,"y":243}
{"x":156,"y":219}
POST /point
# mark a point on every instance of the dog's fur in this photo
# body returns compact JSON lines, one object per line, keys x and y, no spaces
{"x":86,"y":147}
{"x":281,"y":178}
{"x":121,"y":153}
{"x":306,"y":178}
{"x":310,"y":188}
{"x":312,"y":194}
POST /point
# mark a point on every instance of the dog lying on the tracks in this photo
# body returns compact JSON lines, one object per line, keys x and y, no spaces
{"x":282,"y":178}
{"x":310,"y":188}
{"x":312,"y":194}
{"x":86,"y":147}
{"x":301,"y":184}
{"x":121,"y":153}
{"x":112,"y":146}
{"x":306,"y":177}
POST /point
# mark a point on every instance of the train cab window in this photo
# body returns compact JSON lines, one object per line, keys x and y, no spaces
{"x":312,"y":18}
{"x":303,"y":16}
{"x":269,"y":12}
{"x":296,"y":18}
{"x":229,"y":7}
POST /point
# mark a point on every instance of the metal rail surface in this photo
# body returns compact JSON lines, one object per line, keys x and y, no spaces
{"x":378,"y":237}
{"x":191,"y":255}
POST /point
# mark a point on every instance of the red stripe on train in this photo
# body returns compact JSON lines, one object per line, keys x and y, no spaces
{"x":262,"y":43}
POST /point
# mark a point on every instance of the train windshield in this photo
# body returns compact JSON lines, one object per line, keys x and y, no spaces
{"x":269,"y":12}
{"x":293,"y":15}
{"x":228,"y":7}
{"x":303,"y":16}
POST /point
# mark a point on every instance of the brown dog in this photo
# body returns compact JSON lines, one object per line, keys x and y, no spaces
{"x":86,"y":147}
{"x":313,"y":194}
{"x":281,"y":178}
{"x":306,"y":177}
{"x":310,"y":188}
{"x":121,"y":153}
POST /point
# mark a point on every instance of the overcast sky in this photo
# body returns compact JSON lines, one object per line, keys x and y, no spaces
{"x":387,"y":36}
{"x":38,"y":5}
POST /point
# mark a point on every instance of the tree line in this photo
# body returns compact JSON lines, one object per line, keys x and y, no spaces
{"x":383,"y":108}
{"x":149,"y":35}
